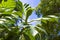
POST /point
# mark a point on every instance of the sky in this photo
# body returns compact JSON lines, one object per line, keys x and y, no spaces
{"x":33,"y":4}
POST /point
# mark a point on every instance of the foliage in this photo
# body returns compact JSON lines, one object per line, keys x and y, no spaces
{"x":13,"y":25}
{"x":51,"y":10}
{"x":49,"y":7}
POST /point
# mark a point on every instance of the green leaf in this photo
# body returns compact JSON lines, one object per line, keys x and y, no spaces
{"x":53,"y":16}
{"x":26,"y":37}
{"x":19,"y":6}
{"x":38,"y":36}
{"x":2,"y":10}
{"x":28,"y":13}
{"x":33,"y":31}
{"x":19,"y":14}
{"x":26,"y":5}
{"x":28,"y":33}
{"x":4,"y":14}
{"x":7,"y":4}
{"x":40,"y":30}
{"x":44,"y":20}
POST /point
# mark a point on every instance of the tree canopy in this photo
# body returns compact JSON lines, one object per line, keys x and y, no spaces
{"x":14,"y":24}
{"x":49,"y":7}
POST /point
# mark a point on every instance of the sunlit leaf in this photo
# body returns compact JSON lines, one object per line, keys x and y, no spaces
{"x":28,"y":32}
{"x":40,"y":29}
{"x":7,"y":4}
{"x":33,"y":30}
